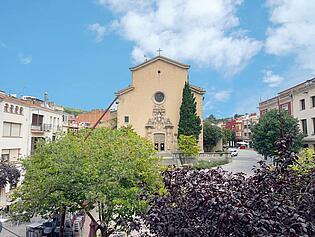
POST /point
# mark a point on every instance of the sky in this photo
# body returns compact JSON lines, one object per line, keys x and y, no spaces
{"x":80,"y":52}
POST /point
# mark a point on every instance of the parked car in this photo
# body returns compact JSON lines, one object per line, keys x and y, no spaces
{"x":233,"y":151}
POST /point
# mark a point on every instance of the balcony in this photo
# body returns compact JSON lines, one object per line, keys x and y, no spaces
{"x":41,"y":127}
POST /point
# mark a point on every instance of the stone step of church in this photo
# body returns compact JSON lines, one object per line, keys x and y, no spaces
{"x":165,"y":154}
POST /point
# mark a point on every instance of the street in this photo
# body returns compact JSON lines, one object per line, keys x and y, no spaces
{"x":244,"y":162}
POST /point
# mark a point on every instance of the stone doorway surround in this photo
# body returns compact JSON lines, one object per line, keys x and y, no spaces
{"x":159,"y":124}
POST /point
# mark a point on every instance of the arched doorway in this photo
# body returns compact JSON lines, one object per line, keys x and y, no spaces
{"x":159,"y":141}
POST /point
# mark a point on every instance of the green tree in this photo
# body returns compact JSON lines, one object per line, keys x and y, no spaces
{"x":188,"y":145}
{"x":189,"y":122}
{"x":114,"y":170}
{"x":228,"y":136}
{"x":306,"y":161}
{"x":211,"y":135}
{"x":211,"y":119}
{"x":268,"y":131}
{"x":9,"y":174}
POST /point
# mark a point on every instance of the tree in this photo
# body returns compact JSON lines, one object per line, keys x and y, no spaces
{"x":189,"y":122}
{"x":114,"y":170}
{"x":269,"y":129}
{"x":9,"y":174}
{"x":214,"y":202}
{"x":211,"y":119}
{"x":228,"y":136}
{"x":188,"y":145}
{"x":211,"y":135}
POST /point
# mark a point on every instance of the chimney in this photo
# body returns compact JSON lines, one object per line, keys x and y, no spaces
{"x":46,"y":99}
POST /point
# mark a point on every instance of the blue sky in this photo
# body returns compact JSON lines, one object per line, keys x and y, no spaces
{"x":80,"y":51}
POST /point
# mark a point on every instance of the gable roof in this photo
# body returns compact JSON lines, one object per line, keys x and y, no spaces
{"x":165,"y":59}
{"x":124,"y":90}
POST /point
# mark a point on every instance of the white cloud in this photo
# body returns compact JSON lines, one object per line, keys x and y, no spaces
{"x":272,"y":80}
{"x":293,"y":30}
{"x":215,"y":97}
{"x":203,"y":31}
{"x":222,"y":96}
{"x":25,"y":59}
{"x":98,"y":30}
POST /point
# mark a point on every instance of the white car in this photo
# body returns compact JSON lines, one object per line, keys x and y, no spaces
{"x":233,"y":151}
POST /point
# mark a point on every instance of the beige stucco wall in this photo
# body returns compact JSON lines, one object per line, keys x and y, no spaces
{"x":138,"y":103}
{"x":307,"y":114}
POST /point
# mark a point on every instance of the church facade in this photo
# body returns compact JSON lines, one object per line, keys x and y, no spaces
{"x":151,"y":103}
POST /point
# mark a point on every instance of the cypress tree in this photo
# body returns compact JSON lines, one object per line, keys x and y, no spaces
{"x":189,"y":122}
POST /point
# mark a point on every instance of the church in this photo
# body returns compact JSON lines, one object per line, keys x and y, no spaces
{"x":151,"y":103}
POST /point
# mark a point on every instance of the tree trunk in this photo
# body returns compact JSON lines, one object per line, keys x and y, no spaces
{"x":103,"y":229}
{"x":62,"y":222}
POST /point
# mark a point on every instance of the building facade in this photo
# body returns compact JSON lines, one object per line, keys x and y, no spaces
{"x":242,"y":128}
{"x":299,"y":101}
{"x":152,"y":102}
{"x":22,"y":123}
{"x":88,"y":119}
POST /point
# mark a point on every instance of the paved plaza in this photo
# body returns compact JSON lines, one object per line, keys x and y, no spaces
{"x":244,"y":162}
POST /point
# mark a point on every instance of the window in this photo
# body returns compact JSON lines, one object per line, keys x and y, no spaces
{"x":304,"y":126}
{"x":10,"y":155}
{"x":245,"y":134}
{"x":126,"y":119}
{"x":313,"y":120}
{"x":11,"y":129}
{"x":5,"y":155}
{"x":285,"y":107}
{"x":21,"y":110}
{"x":159,"y":97}
{"x":11,"y":108}
{"x":302,"y":102}
{"x":6,"y":108}
{"x":37,"y":119}
{"x":16,"y":109}
{"x":313,"y":101}
{"x":245,"y":126}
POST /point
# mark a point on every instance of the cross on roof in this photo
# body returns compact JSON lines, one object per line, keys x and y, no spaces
{"x":159,"y":51}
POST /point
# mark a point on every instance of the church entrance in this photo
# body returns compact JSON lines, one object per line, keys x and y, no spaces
{"x":159,"y":141}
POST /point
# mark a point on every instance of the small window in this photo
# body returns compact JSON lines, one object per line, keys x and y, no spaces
{"x":6,"y":108}
{"x":285,"y":107}
{"x":21,"y":110}
{"x":302,"y":102}
{"x":126,"y":119}
{"x":313,"y":120}
{"x":5,"y":155}
{"x":313,"y":101}
{"x":304,"y":126}
{"x":159,"y":97}
{"x":11,"y":108}
{"x":16,"y":109}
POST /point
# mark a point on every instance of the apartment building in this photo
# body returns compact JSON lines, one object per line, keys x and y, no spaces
{"x":24,"y":121}
{"x":299,"y":101}
{"x":242,"y":126}
{"x":248,"y":121}
{"x":88,"y":119}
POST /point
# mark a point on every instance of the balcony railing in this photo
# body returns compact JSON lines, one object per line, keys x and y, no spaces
{"x":41,"y":127}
